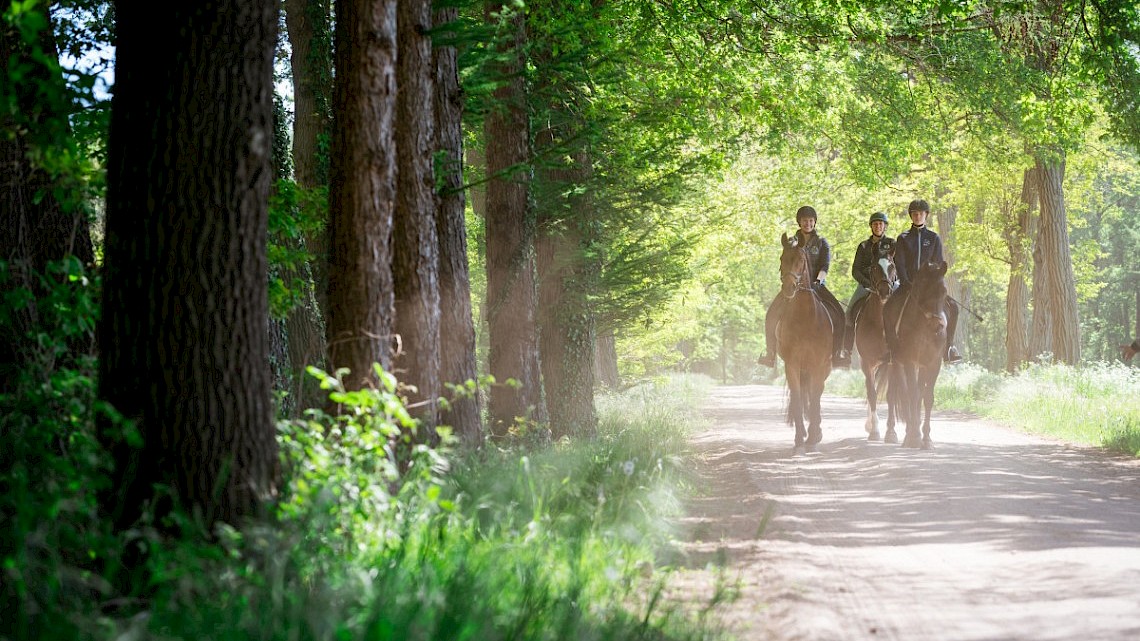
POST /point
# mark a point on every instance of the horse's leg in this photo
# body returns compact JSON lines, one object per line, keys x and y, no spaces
{"x":895,"y":392}
{"x":913,"y":401}
{"x":814,"y":389}
{"x":872,"y":424}
{"x":931,"y":377}
{"x":795,"y":407}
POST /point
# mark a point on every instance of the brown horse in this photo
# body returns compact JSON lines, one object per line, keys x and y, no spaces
{"x":921,"y":330}
{"x":804,"y":337}
{"x":872,"y":343}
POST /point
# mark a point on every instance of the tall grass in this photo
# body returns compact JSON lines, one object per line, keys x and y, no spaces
{"x":1096,"y":404}
{"x":374,"y":537}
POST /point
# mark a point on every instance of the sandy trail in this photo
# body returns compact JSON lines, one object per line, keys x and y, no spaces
{"x":993,"y":535}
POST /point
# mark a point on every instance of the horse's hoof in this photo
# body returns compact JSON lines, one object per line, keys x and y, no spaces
{"x":874,"y":436}
{"x":911,"y":442}
{"x":811,"y":448}
{"x":799,"y":450}
{"x":892,"y":437}
{"x":927,"y":444}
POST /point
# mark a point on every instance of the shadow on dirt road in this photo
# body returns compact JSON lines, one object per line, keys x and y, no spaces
{"x":991,"y":535}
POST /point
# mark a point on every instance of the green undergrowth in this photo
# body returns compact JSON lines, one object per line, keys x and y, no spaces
{"x":371,"y":536}
{"x":1095,"y":404}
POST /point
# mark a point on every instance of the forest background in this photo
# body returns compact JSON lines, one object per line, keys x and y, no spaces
{"x":508,"y":206}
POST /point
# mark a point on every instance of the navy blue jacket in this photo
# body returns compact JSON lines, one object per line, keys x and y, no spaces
{"x":819,"y":252}
{"x":866,"y":255}
{"x":916,"y":247}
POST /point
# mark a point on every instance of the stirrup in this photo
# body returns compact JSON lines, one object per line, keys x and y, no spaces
{"x":952,"y":355}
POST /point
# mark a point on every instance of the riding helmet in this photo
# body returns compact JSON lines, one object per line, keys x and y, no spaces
{"x":805,"y":212}
{"x":879,"y":216}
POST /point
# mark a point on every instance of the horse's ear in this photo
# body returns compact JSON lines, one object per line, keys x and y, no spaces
{"x":941,"y":267}
{"x":784,"y":239}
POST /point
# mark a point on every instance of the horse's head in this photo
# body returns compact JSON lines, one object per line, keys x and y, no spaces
{"x":794,"y":267}
{"x":884,"y":277}
{"x":928,"y":291}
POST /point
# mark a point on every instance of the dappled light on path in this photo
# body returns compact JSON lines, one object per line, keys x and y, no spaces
{"x":991,"y":535}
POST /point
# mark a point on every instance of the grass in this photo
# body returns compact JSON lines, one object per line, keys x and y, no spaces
{"x":1096,"y":404}
{"x":504,"y":543}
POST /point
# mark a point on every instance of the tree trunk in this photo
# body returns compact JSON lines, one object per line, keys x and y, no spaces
{"x":1041,"y":332}
{"x":415,"y":246}
{"x":1017,"y":295}
{"x":456,"y":327}
{"x":1058,"y":278}
{"x":362,"y":190}
{"x":511,"y":287}
{"x":308,"y":23}
{"x":605,"y":360}
{"x":566,"y":324}
{"x":183,"y":333}
{"x":947,"y":221}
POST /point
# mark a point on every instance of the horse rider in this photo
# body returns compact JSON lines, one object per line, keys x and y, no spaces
{"x":867,"y":257}
{"x":819,"y":257}
{"x":915,"y":247}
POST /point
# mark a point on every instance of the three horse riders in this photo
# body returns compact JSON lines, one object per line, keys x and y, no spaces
{"x":819,"y":254}
{"x":914,"y":248}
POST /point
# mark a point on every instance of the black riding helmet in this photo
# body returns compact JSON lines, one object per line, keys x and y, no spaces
{"x":880,"y":217}
{"x":806,"y":212}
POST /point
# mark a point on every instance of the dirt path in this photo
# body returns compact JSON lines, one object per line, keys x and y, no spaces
{"x":993,"y":535}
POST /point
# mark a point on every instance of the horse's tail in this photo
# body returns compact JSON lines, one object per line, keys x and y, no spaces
{"x":882,"y":381}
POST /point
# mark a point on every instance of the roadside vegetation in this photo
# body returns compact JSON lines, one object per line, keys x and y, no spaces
{"x":1096,"y":404}
{"x":371,"y":537}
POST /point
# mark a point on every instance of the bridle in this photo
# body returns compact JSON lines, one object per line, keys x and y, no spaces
{"x":799,"y":278}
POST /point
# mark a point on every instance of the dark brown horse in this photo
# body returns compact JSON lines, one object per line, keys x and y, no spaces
{"x":872,"y":343}
{"x":921,"y":330}
{"x":804,"y":337}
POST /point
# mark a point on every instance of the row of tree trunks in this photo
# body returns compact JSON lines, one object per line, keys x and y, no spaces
{"x":510,"y":232}
{"x":456,"y":324}
{"x":184,"y":330}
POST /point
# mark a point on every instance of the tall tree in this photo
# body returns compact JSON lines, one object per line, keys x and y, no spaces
{"x":309,"y":26}
{"x":1018,"y":214}
{"x":183,"y":335}
{"x":456,"y":326}
{"x":415,"y":247}
{"x":510,"y":224}
{"x":362,"y":190}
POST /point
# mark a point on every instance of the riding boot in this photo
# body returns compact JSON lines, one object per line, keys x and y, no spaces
{"x":771,"y":321}
{"x":952,"y":356}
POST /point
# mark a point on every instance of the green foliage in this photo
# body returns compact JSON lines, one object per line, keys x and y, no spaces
{"x":294,"y":213}
{"x":1093,"y":405}
{"x":51,"y":464}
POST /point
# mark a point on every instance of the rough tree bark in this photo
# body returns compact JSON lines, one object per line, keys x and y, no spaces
{"x":415,"y":246}
{"x":183,"y":333}
{"x":511,"y":287}
{"x":566,"y":278}
{"x":362,"y":190}
{"x":456,"y":327}
{"x":1057,"y":261}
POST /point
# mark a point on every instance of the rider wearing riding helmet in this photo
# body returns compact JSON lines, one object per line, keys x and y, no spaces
{"x":819,"y":254}
{"x":867,"y":256}
{"x":915,"y":247}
